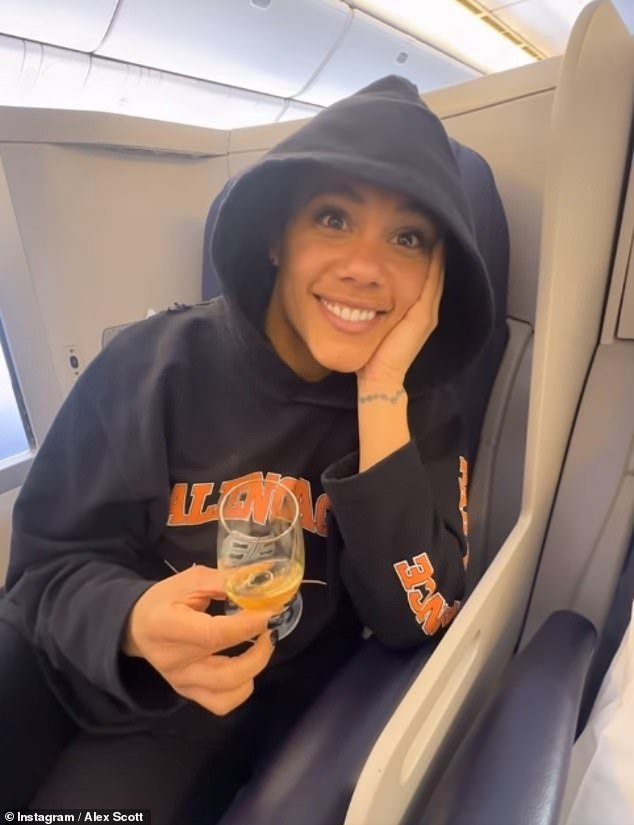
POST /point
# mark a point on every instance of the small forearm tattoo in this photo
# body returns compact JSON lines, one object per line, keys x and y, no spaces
{"x":380,"y":396}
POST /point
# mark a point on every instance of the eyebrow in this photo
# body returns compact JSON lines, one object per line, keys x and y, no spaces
{"x":418,"y":209}
{"x":339,"y":189}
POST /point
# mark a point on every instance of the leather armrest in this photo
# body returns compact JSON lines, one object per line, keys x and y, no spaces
{"x":513,"y":764}
{"x":312,"y":778}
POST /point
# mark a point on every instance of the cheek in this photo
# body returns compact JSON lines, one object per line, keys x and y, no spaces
{"x":408,"y":286}
{"x":295,"y":300}
{"x":301,"y":266}
{"x":294,"y":291}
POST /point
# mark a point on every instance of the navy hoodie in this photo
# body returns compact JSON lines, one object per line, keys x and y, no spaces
{"x":124,"y":490}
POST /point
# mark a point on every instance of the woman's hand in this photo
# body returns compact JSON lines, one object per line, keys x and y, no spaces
{"x":169,"y":628}
{"x":393,"y":357}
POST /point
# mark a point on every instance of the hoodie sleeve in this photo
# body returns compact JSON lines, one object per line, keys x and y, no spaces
{"x":81,"y":532}
{"x":402,"y":525}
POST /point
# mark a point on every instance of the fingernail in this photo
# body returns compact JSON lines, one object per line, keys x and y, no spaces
{"x":274,"y":637}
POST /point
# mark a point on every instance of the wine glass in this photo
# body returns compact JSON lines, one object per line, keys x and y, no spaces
{"x":261,"y":550}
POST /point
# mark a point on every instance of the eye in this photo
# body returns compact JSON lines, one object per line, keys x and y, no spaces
{"x":411,"y":240}
{"x":332,"y":219}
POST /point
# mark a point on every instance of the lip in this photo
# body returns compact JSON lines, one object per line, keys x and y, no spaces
{"x":354,"y":327}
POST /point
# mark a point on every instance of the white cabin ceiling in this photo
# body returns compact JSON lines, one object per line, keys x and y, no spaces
{"x":229,"y":41}
{"x":231,"y":63}
{"x":72,"y":24}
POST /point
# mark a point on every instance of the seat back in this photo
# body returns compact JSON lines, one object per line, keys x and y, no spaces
{"x":495,"y":493}
{"x":508,"y":119}
{"x":582,"y":186}
{"x":492,"y":236}
{"x":592,"y":521}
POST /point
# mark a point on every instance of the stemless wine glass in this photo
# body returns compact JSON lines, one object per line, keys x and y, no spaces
{"x":261,"y":549}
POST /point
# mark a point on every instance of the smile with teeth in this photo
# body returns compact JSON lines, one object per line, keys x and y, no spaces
{"x":347,"y":313}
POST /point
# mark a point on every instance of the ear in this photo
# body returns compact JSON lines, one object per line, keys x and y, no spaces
{"x":274,"y":254}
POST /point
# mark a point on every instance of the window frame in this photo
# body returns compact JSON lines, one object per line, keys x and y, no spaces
{"x":25,"y":343}
{"x":17,"y":463}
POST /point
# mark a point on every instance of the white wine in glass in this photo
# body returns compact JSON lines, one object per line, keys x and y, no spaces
{"x":261,"y":546}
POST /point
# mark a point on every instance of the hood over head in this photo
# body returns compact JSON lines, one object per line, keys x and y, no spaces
{"x":384,"y":135}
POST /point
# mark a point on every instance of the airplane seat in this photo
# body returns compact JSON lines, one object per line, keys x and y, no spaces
{"x":587,"y":564}
{"x":111,"y":332}
{"x":345,"y":704}
{"x":540,"y":695}
{"x":616,"y":624}
{"x":511,"y":764}
{"x":314,"y":776}
{"x":508,"y":768}
{"x":492,"y":236}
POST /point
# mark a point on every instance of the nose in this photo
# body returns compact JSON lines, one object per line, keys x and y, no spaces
{"x":361,"y":264}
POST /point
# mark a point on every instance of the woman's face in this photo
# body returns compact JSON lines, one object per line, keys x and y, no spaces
{"x":351,"y":262}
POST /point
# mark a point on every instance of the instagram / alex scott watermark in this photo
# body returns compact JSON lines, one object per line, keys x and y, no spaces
{"x":79,"y":815}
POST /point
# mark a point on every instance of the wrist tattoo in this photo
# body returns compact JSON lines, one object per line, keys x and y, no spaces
{"x":380,"y":396}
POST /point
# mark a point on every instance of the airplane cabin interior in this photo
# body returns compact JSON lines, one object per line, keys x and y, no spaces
{"x":102,"y":216}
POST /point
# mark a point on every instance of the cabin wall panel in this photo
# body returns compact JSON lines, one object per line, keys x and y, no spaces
{"x":108,"y":234}
{"x":513,"y":137}
{"x":626,"y":318}
{"x":6,"y":507}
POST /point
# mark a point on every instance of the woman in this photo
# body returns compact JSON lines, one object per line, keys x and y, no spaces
{"x":353,"y":295}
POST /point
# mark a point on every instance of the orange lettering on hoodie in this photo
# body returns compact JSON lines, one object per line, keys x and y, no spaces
{"x":322,"y":508}
{"x":197,"y":514}
{"x":304,"y":497}
{"x":428,"y":606}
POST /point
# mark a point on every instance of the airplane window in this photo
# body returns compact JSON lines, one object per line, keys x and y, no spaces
{"x":15,"y":430}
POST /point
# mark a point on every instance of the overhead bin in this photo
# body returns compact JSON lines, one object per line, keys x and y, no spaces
{"x":285,"y":41}
{"x":151,"y":93}
{"x":11,"y":60}
{"x":73,"y":24}
{"x":370,"y":50}
{"x":36,"y":75}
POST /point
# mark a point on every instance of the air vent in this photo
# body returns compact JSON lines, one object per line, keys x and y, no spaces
{"x":494,"y":22}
